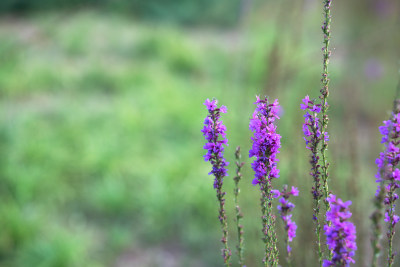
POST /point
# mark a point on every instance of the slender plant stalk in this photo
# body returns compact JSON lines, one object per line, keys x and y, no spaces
{"x":318,"y":231}
{"x":239,"y":215}
{"x":391,"y":193}
{"x":266,"y":144}
{"x":226,"y":252}
{"x":390,"y":232}
{"x":326,"y":28}
{"x":289,"y":254}
{"x":224,"y":226}
{"x":311,"y":130}
{"x":376,"y":218}
{"x":214,"y":132}
{"x":317,"y":195}
{"x":377,"y":215}
{"x":268,"y":218}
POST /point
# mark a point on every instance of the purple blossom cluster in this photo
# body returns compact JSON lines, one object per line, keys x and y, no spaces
{"x":311,"y":127}
{"x":214,"y":132}
{"x":388,"y":175}
{"x":340,"y":233}
{"x":266,"y":142}
{"x":285,"y":208}
{"x":387,"y":162}
{"x":312,"y":137}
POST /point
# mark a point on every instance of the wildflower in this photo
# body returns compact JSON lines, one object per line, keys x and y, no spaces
{"x":285,"y":208}
{"x":266,"y":144}
{"x":313,"y":138}
{"x":214,"y":132}
{"x":388,"y":175}
{"x":340,"y":233}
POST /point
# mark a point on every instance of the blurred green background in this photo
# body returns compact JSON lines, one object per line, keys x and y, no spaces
{"x":101,"y":110}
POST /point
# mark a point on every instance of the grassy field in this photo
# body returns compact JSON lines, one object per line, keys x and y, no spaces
{"x":100,"y":143}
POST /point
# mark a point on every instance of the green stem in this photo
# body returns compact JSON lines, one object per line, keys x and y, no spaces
{"x":318,"y":230}
{"x":268,"y":218}
{"x":376,"y":218}
{"x":390,"y":233}
{"x":239,"y":215}
{"x":324,"y":98}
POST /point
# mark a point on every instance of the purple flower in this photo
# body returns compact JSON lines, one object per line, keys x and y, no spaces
{"x":311,"y":126}
{"x":387,"y":161}
{"x":275,"y":193}
{"x":214,"y":132}
{"x":340,"y":234}
{"x":312,"y":137}
{"x":284,"y":210}
{"x":266,"y":142}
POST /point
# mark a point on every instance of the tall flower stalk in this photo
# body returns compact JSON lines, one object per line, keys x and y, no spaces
{"x":239,"y":214}
{"x":313,"y":137}
{"x":214,"y":132}
{"x":388,"y":175}
{"x":266,"y":144}
{"x":377,"y":215}
{"x":340,"y":233}
{"x":285,"y":208}
{"x":326,"y":29}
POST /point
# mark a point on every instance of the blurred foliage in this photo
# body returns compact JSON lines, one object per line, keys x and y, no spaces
{"x":188,"y":12}
{"x":100,"y":117}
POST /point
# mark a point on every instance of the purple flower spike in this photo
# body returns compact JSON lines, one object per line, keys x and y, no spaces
{"x":311,"y":126}
{"x":266,"y":144}
{"x":214,"y":132}
{"x":340,"y":234}
{"x":388,"y":175}
{"x":284,"y":210}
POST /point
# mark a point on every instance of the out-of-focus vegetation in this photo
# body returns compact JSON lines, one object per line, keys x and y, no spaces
{"x":100,"y":143}
{"x":222,"y":12}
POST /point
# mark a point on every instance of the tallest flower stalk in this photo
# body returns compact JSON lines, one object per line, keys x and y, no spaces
{"x":326,"y":29}
{"x":214,"y":132}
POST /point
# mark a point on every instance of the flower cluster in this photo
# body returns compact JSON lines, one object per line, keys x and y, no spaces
{"x":285,"y":208}
{"x":214,"y":132}
{"x":388,"y":176}
{"x":387,"y":162}
{"x":311,"y":127}
{"x":340,"y":233}
{"x":312,"y":136}
{"x":266,"y":142}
